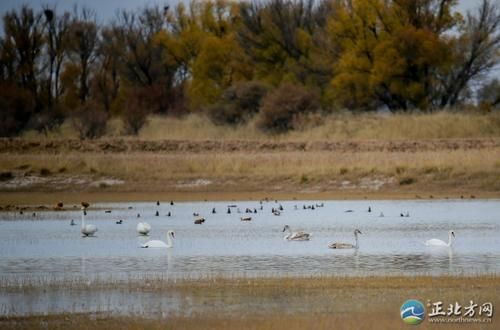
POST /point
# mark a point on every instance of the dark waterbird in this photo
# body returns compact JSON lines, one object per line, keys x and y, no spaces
{"x":199,"y":221}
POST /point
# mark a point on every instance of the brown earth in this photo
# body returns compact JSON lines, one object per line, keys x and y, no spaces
{"x":17,"y":145}
{"x":42,"y":172}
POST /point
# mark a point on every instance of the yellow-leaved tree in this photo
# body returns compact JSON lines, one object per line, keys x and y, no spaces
{"x":391,"y":52}
{"x":201,"y":39}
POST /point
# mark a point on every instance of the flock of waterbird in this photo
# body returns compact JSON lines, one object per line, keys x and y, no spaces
{"x":143,"y":228}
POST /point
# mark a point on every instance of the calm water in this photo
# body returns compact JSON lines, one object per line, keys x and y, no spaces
{"x":46,"y":249}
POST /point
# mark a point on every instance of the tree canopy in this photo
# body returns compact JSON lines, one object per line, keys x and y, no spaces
{"x":358,"y":55}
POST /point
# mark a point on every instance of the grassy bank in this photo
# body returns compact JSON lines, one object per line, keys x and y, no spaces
{"x":448,"y":173}
{"x":281,"y":303}
{"x":339,"y":126}
{"x":396,"y":155}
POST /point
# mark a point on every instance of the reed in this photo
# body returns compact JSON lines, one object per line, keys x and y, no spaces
{"x":274,"y":303}
{"x":469,"y":169}
{"x":338,"y":126}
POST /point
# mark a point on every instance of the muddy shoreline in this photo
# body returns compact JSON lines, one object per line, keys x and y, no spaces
{"x":42,"y":201}
{"x":290,"y":303}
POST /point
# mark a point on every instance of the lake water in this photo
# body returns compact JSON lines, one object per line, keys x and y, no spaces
{"x":46,"y":248}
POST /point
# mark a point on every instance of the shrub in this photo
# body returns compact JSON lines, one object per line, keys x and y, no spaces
{"x":45,"y":171}
{"x":16,"y":108}
{"x":135,"y":113}
{"x":238,"y":103}
{"x":47,"y":120}
{"x":223,"y":113}
{"x":304,"y":121}
{"x":283,"y":108}
{"x":406,"y":181}
{"x":6,"y":176}
{"x":401,"y":169}
{"x":90,"y":120}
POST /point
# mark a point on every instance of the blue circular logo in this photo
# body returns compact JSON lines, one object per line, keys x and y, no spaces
{"x":412,"y":312}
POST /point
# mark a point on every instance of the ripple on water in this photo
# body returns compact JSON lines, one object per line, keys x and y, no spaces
{"x":48,"y":247}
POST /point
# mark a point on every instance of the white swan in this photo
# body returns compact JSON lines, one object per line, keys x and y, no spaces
{"x":160,"y":244}
{"x":87,"y":230}
{"x":143,"y":228}
{"x":438,"y":242}
{"x":337,"y":245}
{"x":295,"y":236}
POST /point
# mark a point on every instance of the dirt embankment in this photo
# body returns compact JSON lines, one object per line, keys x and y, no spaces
{"x":135,"y":145}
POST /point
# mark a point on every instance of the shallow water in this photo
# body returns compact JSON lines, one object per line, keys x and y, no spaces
{"x":47,"y":247}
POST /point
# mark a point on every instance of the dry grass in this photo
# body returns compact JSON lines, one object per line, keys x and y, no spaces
{"x":284,"y":303}
{"x":281,"y":164}
{"x":85,"y":321}
{"x":340,"y":126}
{"x":359,"y":320}
{"x":456,"y":165}
{"x":468,"y":168}
{"x":263,"y":286}
{"x":403,"y":126}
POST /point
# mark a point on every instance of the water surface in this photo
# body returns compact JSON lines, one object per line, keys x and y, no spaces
{"x":46,"y":247}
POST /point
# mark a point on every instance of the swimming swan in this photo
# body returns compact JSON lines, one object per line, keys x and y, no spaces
{"x":337,"y":245}
{"x":438,"y":242}
{"x":87,"y":230}
{"x":295,"y":236}
{"x":161,"y":244}
{"x":143,"y":228}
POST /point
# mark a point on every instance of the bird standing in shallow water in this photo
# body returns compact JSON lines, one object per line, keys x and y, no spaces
{"x":87,"y":229}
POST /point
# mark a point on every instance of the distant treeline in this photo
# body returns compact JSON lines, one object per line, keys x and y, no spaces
{"x":283,"y":61}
